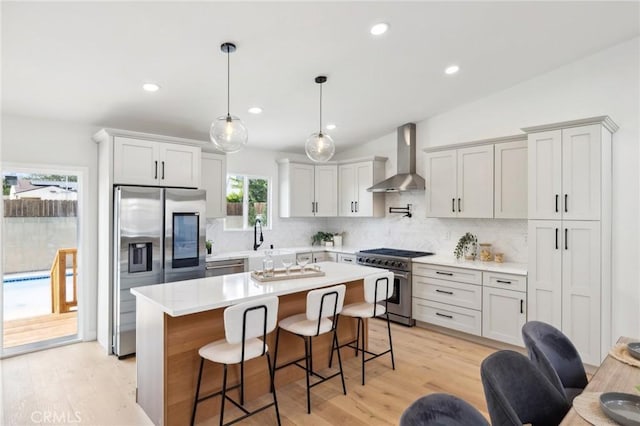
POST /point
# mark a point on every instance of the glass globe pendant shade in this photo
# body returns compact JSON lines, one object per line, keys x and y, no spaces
{"x":320,"y":147}
{"x":228,"y":134}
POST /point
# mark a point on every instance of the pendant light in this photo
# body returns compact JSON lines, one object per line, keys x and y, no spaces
{"x":320,"y":147}
{"x":227,"y":132}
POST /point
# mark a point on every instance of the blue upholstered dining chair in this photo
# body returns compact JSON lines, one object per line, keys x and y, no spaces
{"x":441,"y":409}
{"x":556,"y":357}
{"x":518,"y":393}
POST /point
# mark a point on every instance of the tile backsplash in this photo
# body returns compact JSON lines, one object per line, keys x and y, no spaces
{"x":416,"y":233}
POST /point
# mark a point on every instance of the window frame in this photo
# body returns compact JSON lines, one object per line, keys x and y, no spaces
{"x":245,"y":201}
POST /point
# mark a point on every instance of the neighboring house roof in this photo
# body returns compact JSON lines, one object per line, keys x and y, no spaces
{"x":73,"y":186}
{"x":24,"y":185}
{"x":46,"y":193}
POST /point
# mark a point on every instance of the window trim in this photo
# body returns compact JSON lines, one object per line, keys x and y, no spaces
{"x":245,"y":202}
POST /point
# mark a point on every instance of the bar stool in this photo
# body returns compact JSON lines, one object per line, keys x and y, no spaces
{"x":246,"y":326}
{"x":322,"y":304}
{"x":377,"y":288}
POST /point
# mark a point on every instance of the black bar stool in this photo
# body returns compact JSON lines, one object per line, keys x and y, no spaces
{"x":322,"y":304}
{"x":246,"y":326}
{"x":377,"y":288}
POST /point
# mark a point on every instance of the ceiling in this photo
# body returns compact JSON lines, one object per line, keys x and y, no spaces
{"x":86,"y":62}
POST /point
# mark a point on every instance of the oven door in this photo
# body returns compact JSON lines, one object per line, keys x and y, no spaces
{"x":399,"y":304}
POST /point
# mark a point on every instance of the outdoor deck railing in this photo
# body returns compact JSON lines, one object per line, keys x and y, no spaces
{"x":59,"y":303}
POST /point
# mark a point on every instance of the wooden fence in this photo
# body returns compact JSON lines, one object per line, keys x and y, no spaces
{"x":40,"y":208}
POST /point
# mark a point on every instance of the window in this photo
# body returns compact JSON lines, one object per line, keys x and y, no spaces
{"x":247,"y":200}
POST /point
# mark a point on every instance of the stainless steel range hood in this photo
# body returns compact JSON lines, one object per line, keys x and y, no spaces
{"x":406,"y":178}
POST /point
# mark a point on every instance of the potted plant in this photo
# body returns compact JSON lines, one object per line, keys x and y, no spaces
{"x":209,"y":245}
{"x":321,"y":237}
{"x":466,"y":247}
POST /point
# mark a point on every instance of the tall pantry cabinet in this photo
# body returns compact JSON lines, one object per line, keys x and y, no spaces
{"x":569,"y":286}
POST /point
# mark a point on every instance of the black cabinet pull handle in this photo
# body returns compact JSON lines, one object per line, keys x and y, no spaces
{"x":163,"y":170}
{"x":316,"y":207}
{"x":356,"y":207}
{"x":459,"y":209}
{"x":443,"y":315}
{"x":445,"y":292}
{"x":352,"y":207}
{"x":566,"y":208}
{"x":453,"y":205}
{"x":156,"y":175}
{"x":444,"y":273}
{"x":557,"y":196}
{"x":566,"y":237}
{"x":556,"y":238}
{"x":313,"y":210}
{"x":504,"y":282}
{"x":521,"y":306}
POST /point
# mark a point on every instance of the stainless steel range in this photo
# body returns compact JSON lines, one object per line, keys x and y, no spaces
{"x":398,"y":262}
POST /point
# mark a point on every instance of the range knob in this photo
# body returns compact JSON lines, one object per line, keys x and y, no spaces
{"x":367,"y":261}
{"x":387,"y":262}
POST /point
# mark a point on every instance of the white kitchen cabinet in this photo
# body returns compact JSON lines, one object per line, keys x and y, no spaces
{"x":565,"y":281}
{"x":565,"y":173}
{"x":307,"y":190}
{"x":510,"y":180}
{"x":324,"y":256}
{"x":148,"y":162}
{"x":460,"y":188}
{"x":503,"y":314}
{"x":570,"y":231}
{"x":504,"y":306}
{"x":326,"y":190}
{"x":214,"y":181}
{"x":347,"y":258}
{"x":448,"y":297}
{"x":353,"y":180}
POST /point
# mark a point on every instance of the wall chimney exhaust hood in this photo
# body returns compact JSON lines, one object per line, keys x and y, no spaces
{"x":406,"y":178}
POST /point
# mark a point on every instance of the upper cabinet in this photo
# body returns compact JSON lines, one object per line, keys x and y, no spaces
{"x":307,"y":190}
{"x":353,"y":198}
{"x":149,"y":162}
{"x":214,"y":181}
{"x":510,"y":180}
{"x":459,"y":182}
{"x":565,"y":173}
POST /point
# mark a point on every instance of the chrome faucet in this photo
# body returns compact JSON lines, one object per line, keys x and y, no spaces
{"x":255,"y":234}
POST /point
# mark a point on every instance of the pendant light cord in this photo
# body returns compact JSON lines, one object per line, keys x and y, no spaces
{"x":320,"y":131}
{"x":228,"y":74}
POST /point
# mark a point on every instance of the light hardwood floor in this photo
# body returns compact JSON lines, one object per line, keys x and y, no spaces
{"x":36,"y":329}
{"x":81,"y":385}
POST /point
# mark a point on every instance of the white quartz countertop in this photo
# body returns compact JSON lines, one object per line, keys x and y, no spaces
{"x":203,"y":294}
{"x":443,"y":260}
{"x":244,"y":254}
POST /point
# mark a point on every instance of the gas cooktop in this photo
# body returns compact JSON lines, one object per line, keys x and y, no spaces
{"x":396,"y":252}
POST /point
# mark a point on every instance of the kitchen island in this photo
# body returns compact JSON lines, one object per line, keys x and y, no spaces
{"x":175,"y":319}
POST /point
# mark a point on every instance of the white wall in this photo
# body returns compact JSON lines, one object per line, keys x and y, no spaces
{"x":606,"y":83}
{"x":54,"y":144}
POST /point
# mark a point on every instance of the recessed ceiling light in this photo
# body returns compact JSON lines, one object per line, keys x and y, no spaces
{"x":255,"y":110}
{"x":379,"y":29}
{"x":331,"y":126}
{"x":151,"y":87}
{"x":451,"y":69}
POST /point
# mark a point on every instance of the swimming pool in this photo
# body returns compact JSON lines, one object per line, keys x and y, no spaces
{"x":28,"y":295}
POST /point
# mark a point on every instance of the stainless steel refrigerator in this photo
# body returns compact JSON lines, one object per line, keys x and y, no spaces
{"x":159,"y":237}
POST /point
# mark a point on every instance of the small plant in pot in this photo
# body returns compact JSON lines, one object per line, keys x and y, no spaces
{"x":320,"y":237}
{"x":209,"y":245}
{"x":466,"y":247}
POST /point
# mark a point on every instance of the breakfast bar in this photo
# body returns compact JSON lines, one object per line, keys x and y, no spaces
{"x":175,"y":319}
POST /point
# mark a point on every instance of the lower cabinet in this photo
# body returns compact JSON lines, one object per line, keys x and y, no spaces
{"x":483,"y":303}
{"x":324,"y":256}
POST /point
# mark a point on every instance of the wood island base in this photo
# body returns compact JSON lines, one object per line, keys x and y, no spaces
{"x":168,"y":360}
